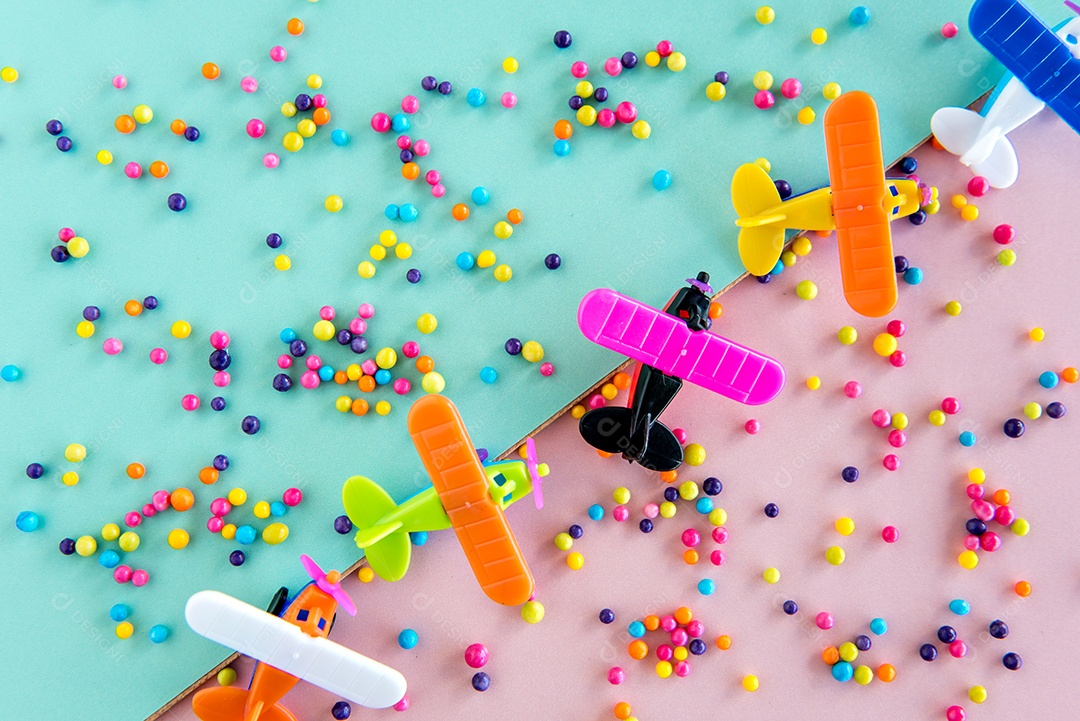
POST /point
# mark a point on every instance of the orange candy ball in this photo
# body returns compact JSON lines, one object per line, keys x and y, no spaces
{"x":136,"y":470}
{"x":341,"y":378}
{"x":886,"y":672}
{"x":604,"y":454}
{"x":425,"y":364}
{"x":159,"y":169}
{"x":652,"y":622}
{"x":182,"y":499}
{"x":321,"y":116}
{"x":460,"y":211}
{"x":133,"y":308}
{"x":295,"y":26}
{"x":563,"y":129}
{"x":178,"y":126}
{"x":410,"y":171}
{"x":125,"y":124}
{"x":1070,"y":375}
{"x":669,"y":476}
{"x":208,"y":475}
{"x":622,"y":710}
{"x":683,"y":615}
{"x":514,"y":216}
{"x":715,"y":310}
{"x":830,"y":655}
{"x":621,"y":380}
{"x":1002,"y":497}
{"x":1023,"y":589}
{"x":638,"y":649}
{"x":359,"y":407}
{"x":690,"y":556}
{"x":366,"y":383}
{"x":210,"y":71}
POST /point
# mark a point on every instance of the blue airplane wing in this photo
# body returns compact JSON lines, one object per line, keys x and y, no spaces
{"x":1032,"y":52}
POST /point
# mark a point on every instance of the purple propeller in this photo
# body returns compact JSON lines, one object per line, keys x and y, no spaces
{"x":334,"y":590}
{"x":534,"y":472}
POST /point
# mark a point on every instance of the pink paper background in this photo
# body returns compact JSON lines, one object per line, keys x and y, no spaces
{"x":557,"y":669}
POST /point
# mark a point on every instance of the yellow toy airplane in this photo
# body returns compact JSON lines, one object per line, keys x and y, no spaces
{"x":856,"y":169}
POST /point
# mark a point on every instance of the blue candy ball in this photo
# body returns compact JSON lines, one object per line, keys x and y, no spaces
{"x":636,"y":629}
{"x":391,"y":212}
{"x":878,"y":626}
{"x":842,"y":671}
{"x":408,"y":639}
{"x":245,"y":535}
{"x":326,"y":374}
{"x":109,"y":559}
{"x":561,"y":148}
{"x":489,"y":374}
{"x":661,"y":180}
{"x":339,"y":137}
{"x":11,"y":373}
{"x":158,"y":633}
{"x":400,"y":123}
{"x":706,"y":587}
{"x":278,"y":509}
{"x":1048,"y":379}
{"x":967,"y":439}
{"x":596,"y":512}
{"x":960,"y":607}
{"x":475,"y":97}
{"x":860,"y":16}
{"x":408,"y":212}
{"x":119,"y":612}
{"x":382,"y":376}
{"x":465,"y":260}
{"x":704,"y":506}
{"x":913,"y":276}
{"x":418,"y":538}
{"x":480,"y":195}
{"x":27,"y":521}
{"x":287,"y":335}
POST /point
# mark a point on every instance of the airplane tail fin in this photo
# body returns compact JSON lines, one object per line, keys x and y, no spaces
{"x":991,"y":155}
{"x":652,"y":446}
{"x":761,"y":234}
{"x":227,"y":703}
{"x":606,"y":429}
{"x":386,"y":547}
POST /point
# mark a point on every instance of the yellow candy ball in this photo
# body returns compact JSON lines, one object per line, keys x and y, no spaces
{"x":275,"y":533}
{"x":104,"y":157}
{"x":365,"y":574}
{"x":1006,"y":257}
{"x":586,"y":115}
{"x":848,"y":335}
{"x":427,"y":323}
{"x":763,"y":80}
{"x":1037,"y":334}
{"x":110,"y":532}
{"x":584,"y":89}
{"x":228,"y":531}
{"x":885,"y":344}
{"x":78,"y":247}
{"x":532,"y":351}
{"x":764,"y":164}
{"x":563,"y":541}
{"x":433,"y":382}
{"x":181,"y":329}
{"x":848,"y":651}
{"x":621,"y":495}
{"x":863,"y":675}
{"x":288,"y":109}
{"x":806,"y":290}
{"x":771,"y":575}
{"x":899,"y":421}
{"x":485,"y":259}
{"x":366,"y":269}
{"x":503,"y":273}
{"x":937,"y":417}
{"x":718,"y":516}
{"x":333,"y":203}
{"x":129,"y":541}
{"x":226,"y":676}
{"x":715,"y":91}
{"x":694,"y":454}
{"x":383,"y":408}
{"x":9,"y":75}
{"x":532,"y":612}
{"x":688,"y":490}
{"x":306,"y":128}
{"x":801,"y":246}
{"x":969,"y":212}
{"x":314,"y":81}
{"x":387,"y":238}
{"x":75,"y":452}
{"x":668,"y":509}
{"x":142,"y":114}
{"x":953,"y":308}
{"x":353,"y":372}
{"x":84,"y":329}
{"x":1021,"y":527}
{"x":806,"y":115}
{"x":845,"y":526}
{"x":70,"y":478}
{"x":377,"y":252}
{"x":292,"y":141}
{"x":977,"y":475}
{"x":386,"y":358}
{"x":641,"y":130}
{"x":750,"y":683}
{"x":663,"y":669}
{"x":933,"y":208}
{"x":503,"y":230}
{"x":124,"y":629}
{"x":577,"y":411}
{"x":835,"y":555}
{"x":681,"y":653}
{"x":85,"y":546}
{"x":958,"y":200}
{"x":831,"y":91}
{"x":968,"y":559}
{"x":510,"y":65}
{"x":403,"y":251}
{"x":237,"y":496}
{"x":813,"y":383}
{"x":343,"y":404}
{"x":261,"y":509}
{"x":788,"y":258}
{"x":178,"y":538}
{"x":323,"y":330}
{"x":609,"y":391}
{"x":765,"y":15}
{"x":282,"y":262}
{"x":819,"y":36}
{"x":1033,"y":410}
{"x":977,"y":694}
{"x":575,"y":561}
{"x":676,"y":62}
{"x":652,"y":58}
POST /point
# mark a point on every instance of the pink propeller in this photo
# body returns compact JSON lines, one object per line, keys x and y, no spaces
{"x":534,"y":472}
{"x":334,"y":590}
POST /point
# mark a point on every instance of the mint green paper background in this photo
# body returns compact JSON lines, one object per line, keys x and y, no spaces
{"x":210,"y":266}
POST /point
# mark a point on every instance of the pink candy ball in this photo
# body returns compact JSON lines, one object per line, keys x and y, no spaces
{"x":717,"y":557}
{"x":971,"y":542}
{"x":752,"y":426}
{"x":432,"y":177}
{"x":615,"y":676}
{"x":651,"y":510}
{"x":358,"y":326}
{"x":402,"y":386}
{"x":220,"y":506}
{"x":579,"y":69}
{"x":476,"y":655}
{"x":881,"y":418}
{"x":975,"y":491}
{"x":665,"y":652}
{"x":66,"y":234}
{"x":380,"y":122}
{"x":897,"y":438}
{"x":791,"y":88}
{"x":1004,"y":234}
{"x":271,"y":160}
{"x":148,"y":510}
{"x":898,"y":359}
{"x":292,"y":497}
{"x":958,"y":649}
{"x":190,"y":402}
{"x":1005,"y":515}
{"x":891,"y":462}
{"x":161,"y":499}
{"x":896,"y":328}
{"x":222,"y":378}
{"x":682,"y":669}
{"x":695,"y":629}
{"x":403,"y":142}
{"x":620,"y":514}
{"x":140,"y":578}
{"x":133,"y":170}
{"x":990,"y":541}
{"x":327,"y":312}
{"x":955,"y":713}
{"x":824,"y":620}
{"x":664,"y":48}
{"x":763,"y":99}
{"x":122,"y":574}
{"x":547,"y":369}
{"x":410,"y":349}
{"x":159,"y":356}
{"x":318,"y":100}
{"x":596,"y":401}
{"x":949,"y":30}
{"x":313,"y":362}
{"x":284,"y":361}
{"x":402,"y":705}
{"x":978,"y":186}
{"x":249,"y":84}
{"x":438,"y":190}
{"x":853,"y":389}
{"x":309,"y":379}
{"x":369,"y":367}
{"x":255,"y":128}
{"x":679,"y":637}
{"x":982,"y":510}
{"x":410,"y":104}
{"x":668,"y":623}
{"x":132,"y":519}
{"x":278,"y":54}
{"x":219,"y":339}
{"x":605,"y":118}
{"x":890,"y":534}
{"x":612,"y":66}
{"x":366,"y":310}
{"x":950,"y":405}
{"x":421,"y":148}
{"x":720,"y":534}
{"x":119,"y":82}
{"x":509,"y":100}
{"x":215,"y":524}
{"x":691,"y":537}
{"x":680,"y":435}
{"x":626,"y":112}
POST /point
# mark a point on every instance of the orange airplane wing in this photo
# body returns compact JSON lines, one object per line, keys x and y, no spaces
{"x":458,"y":477}
{"x":857,"y":177}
